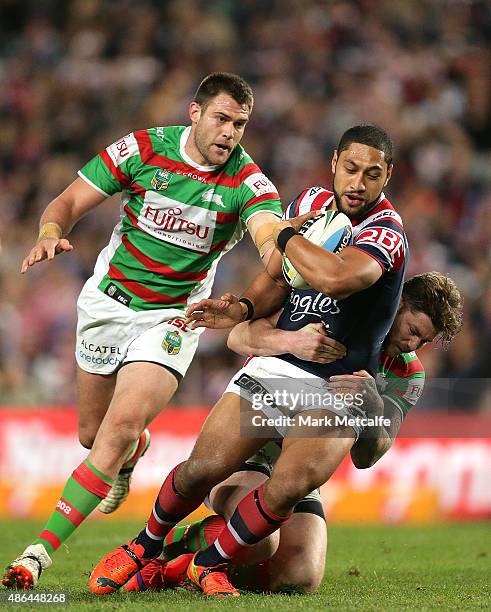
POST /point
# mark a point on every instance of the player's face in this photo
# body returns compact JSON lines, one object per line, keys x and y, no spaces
{"x":216,"y":129}
{"x":360,"y":174}
{"x":411,"y":330}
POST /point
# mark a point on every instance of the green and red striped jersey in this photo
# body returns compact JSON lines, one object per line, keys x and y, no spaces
{"x":400,"y":380}
{"x":177,"y":218}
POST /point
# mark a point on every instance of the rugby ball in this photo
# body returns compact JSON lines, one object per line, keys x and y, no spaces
{"x":331,"y":231}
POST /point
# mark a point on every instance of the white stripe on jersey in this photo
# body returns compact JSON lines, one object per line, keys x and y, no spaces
{"x":123,"y":149}
{"x":84,"y":178}
{"x":260,"y":184}
{"x":385,"y":253}
{"x":382,"y":215}
{"x":308,"y":198}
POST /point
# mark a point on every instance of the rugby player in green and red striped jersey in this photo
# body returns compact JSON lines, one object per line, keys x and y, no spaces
{"x":188,"y":194}
{"x":294,"y":557}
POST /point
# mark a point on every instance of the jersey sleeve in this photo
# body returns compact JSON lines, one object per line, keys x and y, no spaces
{"x":312,"y":198}
{"x":384,"y":240}
{"x":258,"y":194}
{"x":405,"y":391}
{"x":111,"y":170}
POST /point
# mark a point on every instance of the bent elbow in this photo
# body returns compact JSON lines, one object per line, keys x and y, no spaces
{"x":363,"y":463}
{"x":334,"y":287}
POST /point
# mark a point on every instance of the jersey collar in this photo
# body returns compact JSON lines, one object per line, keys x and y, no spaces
{"x":185,"y":156}
{"x":381,"y":198}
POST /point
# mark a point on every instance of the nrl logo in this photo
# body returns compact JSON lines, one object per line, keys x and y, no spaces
{"x":172,"y":342}
{"x":161,"y":179}
{"x":214,"y":198}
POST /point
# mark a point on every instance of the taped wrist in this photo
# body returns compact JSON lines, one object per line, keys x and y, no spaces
{"x":284,"y":236}
{"x":49,"y":230}
{"x":250,"y":308}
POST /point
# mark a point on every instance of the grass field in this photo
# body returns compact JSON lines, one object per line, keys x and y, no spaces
{"x":369,"y":568}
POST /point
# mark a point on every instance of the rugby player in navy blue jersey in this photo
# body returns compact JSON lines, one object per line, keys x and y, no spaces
{"x":293,"y":558}
{"x":355,"y":295}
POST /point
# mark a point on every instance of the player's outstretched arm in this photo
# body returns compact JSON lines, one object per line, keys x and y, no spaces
{"x":260,"y":228}
{"x":267,"y":294}
{"x":58,"y":219}
{"x":262,"y":338}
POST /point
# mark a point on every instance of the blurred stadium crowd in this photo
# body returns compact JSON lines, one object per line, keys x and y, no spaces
{"x":76,"y":75}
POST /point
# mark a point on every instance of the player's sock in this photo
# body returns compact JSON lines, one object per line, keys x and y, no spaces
{"x":193,"y":537}
{"x":252,"y":577}
{"x":250,"y":523}
{"x":137,"y":450}
{"x":170,"y":507}
{"x":82,"y":493}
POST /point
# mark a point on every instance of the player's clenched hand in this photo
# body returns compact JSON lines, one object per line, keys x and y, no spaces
{"x":45,"y":249}
{"x":358,"y":382}
{"x":216,"y":314}
{"x":296,"y":222}
{"x":311,"y":343}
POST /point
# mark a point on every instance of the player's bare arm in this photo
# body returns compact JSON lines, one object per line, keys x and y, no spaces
{"x":261,"y":227}
{"x":266,"y":295}
{"x":338,"y":276}
{"x":58,"y":219}
{"x":369,"y":449}
{"x":262,"y":338}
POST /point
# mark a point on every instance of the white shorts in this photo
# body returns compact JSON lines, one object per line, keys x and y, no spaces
{"x":110,"y":334}
{"x":290,"y":391}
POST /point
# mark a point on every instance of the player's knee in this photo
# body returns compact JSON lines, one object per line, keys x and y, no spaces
{"x":307,"y":477}
{"x":124,"y":430}
{"x":199,"y":476}
{"x":298,"y":576}
{"x":289,"y":488}
{"x":86,"y":437}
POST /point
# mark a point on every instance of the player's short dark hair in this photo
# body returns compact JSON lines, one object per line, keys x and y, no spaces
{"x":437,"y":296}
{"x":370,"y":135}
{"x":224,"y":82}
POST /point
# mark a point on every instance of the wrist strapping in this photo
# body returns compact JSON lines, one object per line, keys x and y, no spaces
{"x":284,"y":236}
{"x":49,"y":230}
{"x":250,"y":308}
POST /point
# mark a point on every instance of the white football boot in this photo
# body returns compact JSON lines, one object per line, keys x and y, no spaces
{"x":121,"y":486}
{"x":24,"y":572}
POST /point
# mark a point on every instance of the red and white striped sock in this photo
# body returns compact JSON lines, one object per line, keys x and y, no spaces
{"x":170,"y":507}
{"x":249,"y":524}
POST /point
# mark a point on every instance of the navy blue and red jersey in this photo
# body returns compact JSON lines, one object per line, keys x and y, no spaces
{"x":362,"y":320}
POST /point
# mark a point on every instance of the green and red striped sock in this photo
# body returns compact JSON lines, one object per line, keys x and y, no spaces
{"x":82,"y":493}
{"x":137,"y":451}
{"x":193,"y":537}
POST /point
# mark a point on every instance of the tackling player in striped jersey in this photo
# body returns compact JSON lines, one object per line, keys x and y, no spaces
{"x":188,"y":194}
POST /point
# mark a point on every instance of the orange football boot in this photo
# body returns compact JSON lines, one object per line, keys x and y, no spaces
{"x":117,"y":567}
{"x":211,"y":580}
{"x":147,"y":579}
{"x":159,"y":575}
